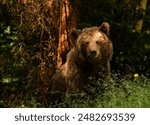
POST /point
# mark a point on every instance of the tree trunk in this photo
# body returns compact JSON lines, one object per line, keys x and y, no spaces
{"x":67,"y":23}
{"x":141,"y":12}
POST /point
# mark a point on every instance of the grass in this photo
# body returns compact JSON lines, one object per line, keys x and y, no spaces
{"x":117,"y":93}
{"x":112,"y":93}
{"x":138,"y":97}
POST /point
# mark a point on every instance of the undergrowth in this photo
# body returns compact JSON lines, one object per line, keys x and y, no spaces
{"x":115,"y":93}
{"x":111,"y":93}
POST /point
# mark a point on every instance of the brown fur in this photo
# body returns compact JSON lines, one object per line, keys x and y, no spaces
{"x":91,"y":54}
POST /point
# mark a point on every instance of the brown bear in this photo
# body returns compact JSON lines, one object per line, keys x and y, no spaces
{"x":91,"y":53}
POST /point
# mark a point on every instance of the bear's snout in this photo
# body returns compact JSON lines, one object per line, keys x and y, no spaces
{"x":93,"y":50}
{"x":93,"y":54}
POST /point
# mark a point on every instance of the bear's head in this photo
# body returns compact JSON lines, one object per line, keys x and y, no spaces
{"x":93,"y":43}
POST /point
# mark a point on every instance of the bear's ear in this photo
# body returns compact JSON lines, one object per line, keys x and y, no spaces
{"x":74,"y":36}
{"x":105,"y":27}
{"x":75,"y":33}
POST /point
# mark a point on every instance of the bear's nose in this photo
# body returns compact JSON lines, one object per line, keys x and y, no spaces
{"x":93,"y":53}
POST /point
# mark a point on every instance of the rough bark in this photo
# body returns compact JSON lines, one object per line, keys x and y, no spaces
{"x":67,"y":23}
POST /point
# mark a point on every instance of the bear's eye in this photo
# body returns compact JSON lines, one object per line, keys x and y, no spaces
{"x":87,"y":43}
{"x":98,"y":42}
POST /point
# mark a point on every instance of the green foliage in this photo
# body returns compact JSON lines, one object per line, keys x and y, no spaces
{"x":130,"y":94}
{"x":118,"y":93}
